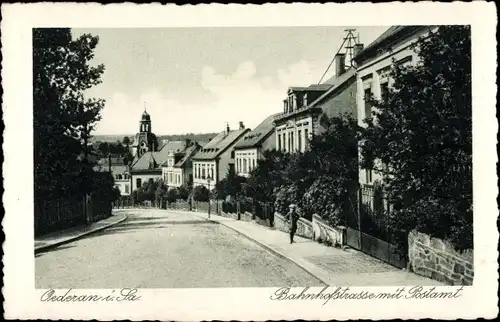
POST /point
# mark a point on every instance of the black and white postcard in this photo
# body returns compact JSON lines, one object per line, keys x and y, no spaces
{"x":246,"y":162}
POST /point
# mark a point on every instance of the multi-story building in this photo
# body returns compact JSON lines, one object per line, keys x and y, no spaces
{"x":373,"y":67}
{"x":212,"y":162}
{"x":178,"y":169}
{"x":250,"y":148}
{"x":149,"y":165}
{"x":307,"y":109}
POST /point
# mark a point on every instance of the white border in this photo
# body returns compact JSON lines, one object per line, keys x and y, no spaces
{"x":22,"y":301}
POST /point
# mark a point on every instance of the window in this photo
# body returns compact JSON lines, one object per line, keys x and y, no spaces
{"x":126,"y":188}
{"x":254,"y":166}
{"x":138,"y":182}
{"x":384,"y":91}
{"x":244,"y":165}
{"x":368,"y":107}
{"x":279,"y":142}
{"x":232,"y":154}
{"x":368,"y":173}
{"x":299,"y":140}
{"x":212,"y":171}
{"x":306,"y":137}
{"x":170,"y":177}
{"x":285,"y":106}
{"x":203,"y":176}
{"x":292,"y":147}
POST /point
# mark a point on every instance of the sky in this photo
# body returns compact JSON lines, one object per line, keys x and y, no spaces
{"x":193,"y":80}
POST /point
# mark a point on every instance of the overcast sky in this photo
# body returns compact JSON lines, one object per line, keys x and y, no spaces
{"x":195,"y":79}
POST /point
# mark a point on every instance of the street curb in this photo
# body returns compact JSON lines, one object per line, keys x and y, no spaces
{"x":267,"y":247}
{"x":72,"y":239}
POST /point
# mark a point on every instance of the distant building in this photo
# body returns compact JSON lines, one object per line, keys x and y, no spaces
{"x":306,"y":110}
{"x":212,"y":162}
{"x":119,"y":170}
{"x":250,"y":148}
{"x":178,"y":169}
{"x":149,"y":166}
{"x":145,"y":140}
{"x":373,"y":67}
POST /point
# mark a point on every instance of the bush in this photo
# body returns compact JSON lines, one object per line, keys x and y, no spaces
{"x":183,"y":192}
{"x":285,"y":195}
{"x":201,"y":193}
{"x":326,"y":197}
{"x":172,"y":195}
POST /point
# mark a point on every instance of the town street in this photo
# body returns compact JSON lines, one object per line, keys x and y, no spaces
{"x":160,"y":249}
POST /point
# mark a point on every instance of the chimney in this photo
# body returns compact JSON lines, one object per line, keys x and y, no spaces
{"x":339,"y":64}
{"x":242,"y":126}
{"x":357,"y":49}
{"x":227,"y":129}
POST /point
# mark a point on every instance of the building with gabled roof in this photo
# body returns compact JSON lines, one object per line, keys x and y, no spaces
{"x":177,"y":170}
{"x":250,"y":148}
{"x":373,"y":66}
{"x":149,"y":165}
{"x":212,"y":162}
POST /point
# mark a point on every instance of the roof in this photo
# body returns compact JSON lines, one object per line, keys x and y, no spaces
{"x":312,"y":87}
{"x":188,"y":153}
{"x":158,"y":157}
{"x":219,"y":144}
{"x":258,"y":134}
{"x":336,"y":83}
{"x":386,"y":36}
{"x":114,"y":161}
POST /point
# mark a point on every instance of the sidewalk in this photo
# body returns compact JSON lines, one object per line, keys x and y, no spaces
{"x":331,"y":265}
{"x":51,"y":240}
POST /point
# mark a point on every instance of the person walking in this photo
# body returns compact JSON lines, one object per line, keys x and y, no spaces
{"x":292,"y":218}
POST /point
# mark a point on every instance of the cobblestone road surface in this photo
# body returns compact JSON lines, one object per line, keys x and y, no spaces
{"x":158,"y":249}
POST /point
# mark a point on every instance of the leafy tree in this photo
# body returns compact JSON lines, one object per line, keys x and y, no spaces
{"x":330,"y":172}
{"x":172,"y":195}
{"x":231,"y":185}
{"x":184,"y":191}
{"x":201,"y":193}
{"x":422,"y":134}
{"x":161,"y":190}
{"x":268,"y":175}
{"x":62,"y":118}
{"x":126,"y":141}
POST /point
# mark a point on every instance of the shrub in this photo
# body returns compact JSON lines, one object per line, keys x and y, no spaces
{"x":201,"y":193}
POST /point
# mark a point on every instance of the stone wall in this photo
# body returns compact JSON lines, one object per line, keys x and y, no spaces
{"x":304,"y":226}
{"x":246,"y":216}
{"x":322,"y":231}
{"x":280,"y":223}
{"x":437,"y":259}
{"x":229,"y":215}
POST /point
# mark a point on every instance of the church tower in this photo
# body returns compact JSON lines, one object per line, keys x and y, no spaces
{"x":145,"y":140}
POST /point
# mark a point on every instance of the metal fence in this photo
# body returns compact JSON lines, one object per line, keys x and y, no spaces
{"x":369,"y":228}
{"x":68,"y":212}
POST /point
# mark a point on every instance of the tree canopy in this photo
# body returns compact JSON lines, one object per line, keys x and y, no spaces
{"x":421,"y":136}
{"x":62,"y":117}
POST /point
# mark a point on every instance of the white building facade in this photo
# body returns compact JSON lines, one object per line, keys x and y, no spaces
{"x":373,"y":79}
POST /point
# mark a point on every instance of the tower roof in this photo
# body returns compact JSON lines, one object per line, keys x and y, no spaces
{"x":145,"y":116}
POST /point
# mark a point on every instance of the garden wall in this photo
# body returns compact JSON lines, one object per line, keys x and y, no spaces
{"x":322,"y":231}
{"x":304,"y":226}
{"x":437,"y":259}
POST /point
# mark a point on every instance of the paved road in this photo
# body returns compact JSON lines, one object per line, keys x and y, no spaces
{"x":160,"y":249}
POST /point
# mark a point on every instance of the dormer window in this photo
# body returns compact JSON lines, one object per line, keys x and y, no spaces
{"x":304,"y":103}
{"x":290,"y":104}
{"x":285,"y":106}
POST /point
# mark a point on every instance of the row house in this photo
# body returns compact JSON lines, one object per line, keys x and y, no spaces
{"x":373,"y":65}
{"x":307,"y":109}
{"x":148,"y":167}
{"x":178,"y":169}
{"x":250,"y":149}
{"x":212,"y":162}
